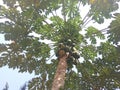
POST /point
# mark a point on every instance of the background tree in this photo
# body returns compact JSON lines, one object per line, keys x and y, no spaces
{"x":23,"y":87}
{"x":30,"y":23}
{"x":6,"y":86}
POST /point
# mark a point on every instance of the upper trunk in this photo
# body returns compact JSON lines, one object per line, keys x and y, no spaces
{"x":59,"y":77}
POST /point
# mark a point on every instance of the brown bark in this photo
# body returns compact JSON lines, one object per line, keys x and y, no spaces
{"x":59,"y":77}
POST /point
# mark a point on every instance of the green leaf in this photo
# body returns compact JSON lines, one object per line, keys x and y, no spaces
{"x":93,"y":34}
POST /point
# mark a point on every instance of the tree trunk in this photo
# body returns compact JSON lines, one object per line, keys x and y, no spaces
{"x":59,"y":77}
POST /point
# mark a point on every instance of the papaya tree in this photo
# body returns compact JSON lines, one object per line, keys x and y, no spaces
{"x":47,"y":39}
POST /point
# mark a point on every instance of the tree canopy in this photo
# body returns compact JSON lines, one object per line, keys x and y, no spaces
{"x":36,"y":27}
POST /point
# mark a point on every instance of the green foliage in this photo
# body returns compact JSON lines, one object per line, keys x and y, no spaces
{"x":101,"y":9}
{"x":87,"y":52}
{"x":70,"y":9}
{"x":60,"y":21}
{"x":106,"y":48}
{"x":93,"y":34}
{"x":114,"y":32}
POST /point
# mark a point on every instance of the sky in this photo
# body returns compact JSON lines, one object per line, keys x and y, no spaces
{"x":16,"y":79}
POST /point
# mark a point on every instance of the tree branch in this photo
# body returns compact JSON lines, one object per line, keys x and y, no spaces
{"x":64,"y":11}
{"x":84,"y":19}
